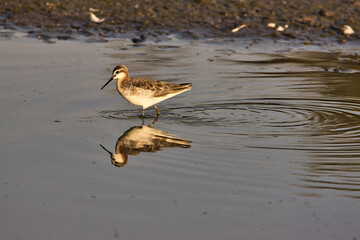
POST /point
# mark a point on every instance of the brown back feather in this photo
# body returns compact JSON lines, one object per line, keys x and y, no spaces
{"x":159,"y":87}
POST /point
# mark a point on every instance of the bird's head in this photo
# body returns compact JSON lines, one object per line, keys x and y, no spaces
{"x":117,"y":159}
{"x":119,"y":72}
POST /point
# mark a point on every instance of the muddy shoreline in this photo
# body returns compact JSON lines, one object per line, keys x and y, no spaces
{"x":140,"y":20}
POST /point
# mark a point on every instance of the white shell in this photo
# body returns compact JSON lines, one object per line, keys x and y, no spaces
{"x":95,"y":19}
{"x":347,"y":30}
{"x":280,"y":29}
{"x":238,"y":28}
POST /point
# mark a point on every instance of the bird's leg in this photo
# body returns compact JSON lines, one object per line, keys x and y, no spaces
{"x":157,"y":110}
{"x":155,"y":120}
{"x":142,"y":113}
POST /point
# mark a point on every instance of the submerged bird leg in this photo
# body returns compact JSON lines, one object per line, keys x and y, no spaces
{"x":142,"y":113}
{"x":157,"y":110}
{"x":155,"y":120}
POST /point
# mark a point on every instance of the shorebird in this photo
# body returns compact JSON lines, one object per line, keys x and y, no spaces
{"x":144,"y":92}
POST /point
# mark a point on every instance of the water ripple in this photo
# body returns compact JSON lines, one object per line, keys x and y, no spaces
{"x":332,"y":116}
{"x":297,"y":107}
{"x":274,"y":116}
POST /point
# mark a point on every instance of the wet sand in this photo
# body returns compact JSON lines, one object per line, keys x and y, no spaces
{"x":270,"y":141}
{"x":306,"y":20}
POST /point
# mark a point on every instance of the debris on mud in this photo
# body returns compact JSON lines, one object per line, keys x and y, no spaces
{"x":307,"y":20}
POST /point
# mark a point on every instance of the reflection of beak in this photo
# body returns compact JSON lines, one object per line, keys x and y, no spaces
{"x":106,"y":150}
{"x":107,"y":82}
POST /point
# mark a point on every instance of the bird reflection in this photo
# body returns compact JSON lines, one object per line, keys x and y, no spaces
{"x":143,"y":139}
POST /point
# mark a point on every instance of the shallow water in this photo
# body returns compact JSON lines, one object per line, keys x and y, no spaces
{"x":265,"y":145}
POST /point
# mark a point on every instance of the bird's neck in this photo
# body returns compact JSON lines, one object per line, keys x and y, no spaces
{"x":121,"y":78}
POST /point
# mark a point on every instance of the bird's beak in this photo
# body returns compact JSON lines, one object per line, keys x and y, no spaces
{"x":106,"y":150}
{"x":107,"y":82}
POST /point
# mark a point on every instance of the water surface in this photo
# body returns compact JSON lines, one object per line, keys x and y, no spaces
{"x":265,"y":145}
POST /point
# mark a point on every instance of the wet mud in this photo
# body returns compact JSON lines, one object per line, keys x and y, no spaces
{"x":140,"y":20}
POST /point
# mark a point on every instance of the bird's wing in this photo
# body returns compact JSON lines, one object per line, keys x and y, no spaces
{"x":168,"y":88}
{"x":159,"y":88}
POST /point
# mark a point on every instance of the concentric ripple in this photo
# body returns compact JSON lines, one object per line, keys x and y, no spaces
{"x":271,"y":115}
{"x":330,"y":116}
